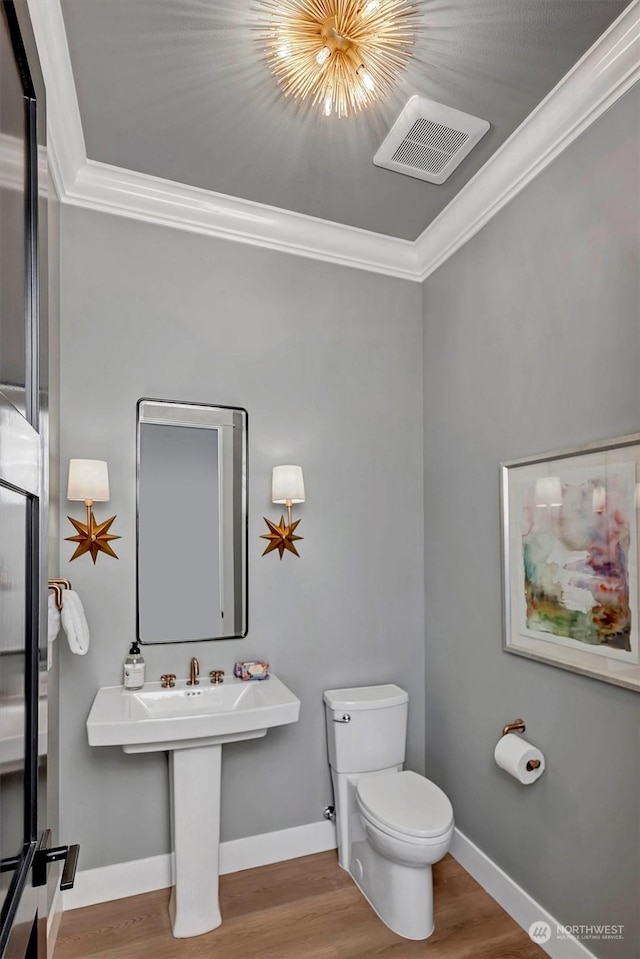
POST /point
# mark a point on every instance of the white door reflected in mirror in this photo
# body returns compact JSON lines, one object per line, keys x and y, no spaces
{"x":192,"y":522}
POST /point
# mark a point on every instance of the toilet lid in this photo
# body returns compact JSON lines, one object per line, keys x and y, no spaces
{"x":406,"y":802}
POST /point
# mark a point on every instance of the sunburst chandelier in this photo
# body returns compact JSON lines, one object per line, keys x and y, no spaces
{"x":341,"y":54}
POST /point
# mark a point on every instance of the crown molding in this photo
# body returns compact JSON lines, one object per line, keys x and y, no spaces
{"x":98,"y":186}
{"x":602,"y":76}
{"x":66,"y":147}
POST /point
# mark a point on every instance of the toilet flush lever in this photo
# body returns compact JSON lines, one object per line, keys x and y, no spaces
{"x":345,"y":719}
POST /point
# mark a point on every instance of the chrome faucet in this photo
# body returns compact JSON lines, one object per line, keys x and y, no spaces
{"x":194,"y":672}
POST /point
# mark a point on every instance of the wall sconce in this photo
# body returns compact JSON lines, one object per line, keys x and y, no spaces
{"x":287,"y":486}
{"x":89,"y":482}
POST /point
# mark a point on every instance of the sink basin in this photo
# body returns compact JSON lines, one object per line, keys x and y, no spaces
{"x":154,"y":703}
{"x":153,"y":719}
{"x":191,"y":723}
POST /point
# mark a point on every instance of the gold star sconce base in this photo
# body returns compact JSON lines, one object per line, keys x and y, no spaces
{"x":281,"y":537}
{"x":287,"y":486}
{"x":92,"y":537}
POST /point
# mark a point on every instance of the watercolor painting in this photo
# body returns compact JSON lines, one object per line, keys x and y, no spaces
{"x":576,"y":547}
{"x":571,"y":561}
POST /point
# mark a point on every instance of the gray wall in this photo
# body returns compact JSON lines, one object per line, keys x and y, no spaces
{"x":328,"y":363}
{"x":532,"y":343}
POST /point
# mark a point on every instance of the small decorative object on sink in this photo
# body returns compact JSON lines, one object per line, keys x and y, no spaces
{"x":134,"y":668}
{"x":191,"y":724}
{"x":252,"y":670}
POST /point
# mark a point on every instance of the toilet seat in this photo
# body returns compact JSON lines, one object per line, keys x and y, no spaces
{"x":406,"y":806}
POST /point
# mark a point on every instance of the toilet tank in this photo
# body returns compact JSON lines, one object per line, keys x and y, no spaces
{"x":374,"y":736}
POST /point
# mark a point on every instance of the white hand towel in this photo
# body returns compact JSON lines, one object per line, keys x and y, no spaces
{"x":74,"y":622}
{"x":53,"y":624}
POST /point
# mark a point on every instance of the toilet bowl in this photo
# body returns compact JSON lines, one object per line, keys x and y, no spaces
{"x":392,"y":824}
{"x":405,"y":817}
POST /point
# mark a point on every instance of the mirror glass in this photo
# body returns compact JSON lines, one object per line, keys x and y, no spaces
{"x":192,"y":522}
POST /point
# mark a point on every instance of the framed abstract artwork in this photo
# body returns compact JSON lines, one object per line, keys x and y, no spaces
{"x":571,"y":561}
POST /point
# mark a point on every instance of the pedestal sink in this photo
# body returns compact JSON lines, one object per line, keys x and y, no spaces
{"x":191,"y":723}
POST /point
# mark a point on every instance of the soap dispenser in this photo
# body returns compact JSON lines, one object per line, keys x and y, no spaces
{"x":134,"y":668}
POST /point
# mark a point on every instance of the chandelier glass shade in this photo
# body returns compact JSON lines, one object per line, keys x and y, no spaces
{"x":343,"y":55}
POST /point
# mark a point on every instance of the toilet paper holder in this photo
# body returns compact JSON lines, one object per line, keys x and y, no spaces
{"x":518,"y":726}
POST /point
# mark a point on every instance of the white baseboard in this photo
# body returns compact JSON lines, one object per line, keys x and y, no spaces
{"x":144,"y":875}
{"x":118,"y":881}
{"x":514,"y":900}
{"x":277,"y":846}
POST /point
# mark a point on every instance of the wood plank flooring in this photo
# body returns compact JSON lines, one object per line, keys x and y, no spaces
{"x":304,"y":908}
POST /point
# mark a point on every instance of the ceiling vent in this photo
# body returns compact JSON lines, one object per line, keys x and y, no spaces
{"x":429,"y":140}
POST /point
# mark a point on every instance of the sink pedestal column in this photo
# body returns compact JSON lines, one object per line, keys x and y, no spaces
{"x":195,"y":836}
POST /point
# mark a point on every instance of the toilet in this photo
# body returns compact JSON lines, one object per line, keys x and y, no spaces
{"x":392,"y":824}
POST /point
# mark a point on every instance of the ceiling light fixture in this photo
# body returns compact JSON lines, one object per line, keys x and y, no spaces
{"x":341,"y":54}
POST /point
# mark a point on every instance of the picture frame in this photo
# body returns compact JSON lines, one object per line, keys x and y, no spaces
{"x":571,"y":560}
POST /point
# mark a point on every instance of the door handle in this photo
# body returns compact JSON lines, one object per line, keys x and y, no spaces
{"x":70,"y":866}
{"x":46,"y":855}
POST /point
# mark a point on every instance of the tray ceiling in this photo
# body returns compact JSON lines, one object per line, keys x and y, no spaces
{"x":180,"y":89}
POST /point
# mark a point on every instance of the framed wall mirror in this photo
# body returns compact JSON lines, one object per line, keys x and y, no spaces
{"x":191,"y":522}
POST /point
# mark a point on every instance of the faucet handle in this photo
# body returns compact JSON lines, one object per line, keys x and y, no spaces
{"x":168,"y":680}
{"x":216,"y":676}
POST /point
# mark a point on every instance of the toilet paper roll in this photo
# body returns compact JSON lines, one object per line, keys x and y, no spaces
{"x":512,"y":753}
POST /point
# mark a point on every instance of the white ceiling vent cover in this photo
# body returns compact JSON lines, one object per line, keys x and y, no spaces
{"x":429,"y":140}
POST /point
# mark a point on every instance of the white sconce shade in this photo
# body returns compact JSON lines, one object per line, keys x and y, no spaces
{"x":548,"y":491}
{"x":88,"y":480}
{"x":287,"y":485}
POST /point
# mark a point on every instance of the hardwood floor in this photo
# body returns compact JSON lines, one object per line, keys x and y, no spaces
{"x":304,"y":908}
